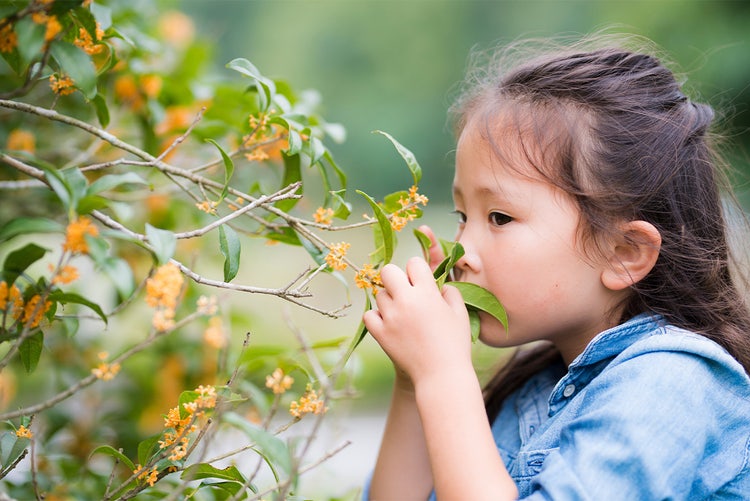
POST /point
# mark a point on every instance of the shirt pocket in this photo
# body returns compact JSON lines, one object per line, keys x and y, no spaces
{"x":526,"y":466}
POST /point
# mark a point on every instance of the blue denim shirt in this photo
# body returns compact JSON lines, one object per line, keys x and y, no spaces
{"x":647,"y":411}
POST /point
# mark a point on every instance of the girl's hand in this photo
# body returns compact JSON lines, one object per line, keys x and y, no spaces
{"x":424,"y":331}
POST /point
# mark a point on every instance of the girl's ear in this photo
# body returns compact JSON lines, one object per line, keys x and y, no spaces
{"x":632,"y":256}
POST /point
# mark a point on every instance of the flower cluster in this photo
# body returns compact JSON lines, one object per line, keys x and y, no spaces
{"x":162,"y":291}
{"x":266,"y":140}
{"x":105,"y":371}
{"x":8,"y":39}
{"x":24,"y":432}
{"x":62,"y":85}
{"x":29,"y":312}
{"x":408,"y":211}
{"x":309,"y":403}
{"x":86,"y":42}
{"x":323,"y":216}
{"x":214,"y":336}
{"x":180,"y":428}
{"x":368,"y":278}
{"x":279,"y":382}
{"x":149,"y":475}
{"x":65,"y":274}
{"x":21,"y":140}
{"x":335,"y":257}
{"x":75,"y":235}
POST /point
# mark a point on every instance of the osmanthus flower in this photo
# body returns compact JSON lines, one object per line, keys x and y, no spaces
{"x":368,"y":278}
{"x":65,"y":274}
{"x":323,"y":215}
{"x":33,"y":311}
{"x":335,"y":257}
{"x":309,"y":403}
{"x":214,"y":336}
{"x":21,"y":140}
{"x":407,"y":213}
{"x":105,"y":371}
{"x":149,"y":476}
{"x":207,"y":305}
{"x":24,"y":432}
{"x":8,"y":39}
{"x":279,"y":382}
{"x":86,"y":42}
{"x":11,"y":300}
{"x":53,"y":28}
{"x":162,"y":290}
{"x":62,"y":85}
{"x":75,"y":235}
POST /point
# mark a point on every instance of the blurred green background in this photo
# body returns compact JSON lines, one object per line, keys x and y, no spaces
{"x":394,"y":65}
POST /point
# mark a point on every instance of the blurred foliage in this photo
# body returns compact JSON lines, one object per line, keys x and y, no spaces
{"x":396,"y":65}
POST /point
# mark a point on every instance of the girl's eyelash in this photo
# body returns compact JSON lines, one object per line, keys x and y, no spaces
{"x":461,"y":216}
{"x":499,"y":219}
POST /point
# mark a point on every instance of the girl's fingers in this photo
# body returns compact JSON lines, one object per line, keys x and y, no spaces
{"x":435,"y":252}
{"x":393,"y":278}
{"x":419,"y":272}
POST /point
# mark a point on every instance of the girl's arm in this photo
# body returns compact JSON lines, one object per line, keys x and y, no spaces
{"x":425,"y":332}
{"x":402,"y":470}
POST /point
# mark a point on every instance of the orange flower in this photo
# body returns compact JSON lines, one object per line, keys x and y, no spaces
{"x":33,"y":311}
{"x":176,"y":28}
{"x":214,"y":333}
{"x":163,"y":287}
{"x":75,"y":234}
{"x":65,"y":275}
{"x":309,"y":403}
{"x":335,"y":257}
{"x":323,"y":216}
{"x":368,"y":278}
{"x":149,"y":476}
{"x":53,"y":28}
{"x":23,"y":432}
{"x":61,"y":86}
{"x":127,"y":92}
{"x":151,"y":85}
{"x":21,"y":140}
{"x":279,"y":382}
{"x":87,"y":43}
{"x":8,"y":39}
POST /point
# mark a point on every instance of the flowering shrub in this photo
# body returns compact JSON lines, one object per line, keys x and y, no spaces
{"x":117,"y":154}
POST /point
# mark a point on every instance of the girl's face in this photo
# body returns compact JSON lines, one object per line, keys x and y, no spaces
{"x":520,"y":237}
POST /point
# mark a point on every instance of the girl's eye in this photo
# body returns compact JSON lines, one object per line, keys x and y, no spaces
{"x":461,"y":216}
{"x":499,"y":219}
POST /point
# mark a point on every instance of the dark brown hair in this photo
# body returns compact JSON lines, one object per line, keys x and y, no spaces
{"x":612,"y":127}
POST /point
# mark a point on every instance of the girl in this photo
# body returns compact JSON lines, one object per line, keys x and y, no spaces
{"x":590,"y":203}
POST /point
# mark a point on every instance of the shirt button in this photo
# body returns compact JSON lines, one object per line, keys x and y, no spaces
{"x":569,"y":390}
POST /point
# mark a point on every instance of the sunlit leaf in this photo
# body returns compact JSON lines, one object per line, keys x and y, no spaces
{"x":147,"y":448}
{"x":206,"y":470}
{"x":273,"y":450}
{"x":388,"y":238}
{"x":481,"y":299}
{"x":407,"y":155}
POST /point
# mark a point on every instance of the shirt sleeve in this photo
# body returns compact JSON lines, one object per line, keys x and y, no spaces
{"x":661,"y":425}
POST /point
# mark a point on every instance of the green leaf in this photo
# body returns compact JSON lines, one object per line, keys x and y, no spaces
{"x":119,"y":271}
{"x":360,"y":333}
{"x":147,"y":448}
{"x":30,"y":350}
{"x":453,"y":252}
{"x":341,"y":208}
{"x":111,"y":451}
{"x":77,"y":183}
{"x":102,"y":111}
{"x":481,"y":299}
{"x":112,"y":181}
{"x":407,"y":155}
{"x":474,"y":324}
{"x":59,"y":185}
{"x":162,"y":242}
{"x":273,"y":450}
{"x":229,"y":244}
{"x":91,"y":203}
{"x":71,"y":297}
{"x":266,"y":87}
{"x":11,"y":448}
{"x":27,"y":226}
{"x":387,"y":235}
{"x":424,"y":242}
{"x":77,"y":64}
{"x":186,"y":397}
{"x":19,"y":260}
{"x":228,"y":169}
{"x":206,"y":470}
{"x":292,"y":174}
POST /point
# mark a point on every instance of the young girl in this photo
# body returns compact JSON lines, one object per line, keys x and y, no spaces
{"x":590,"y":202}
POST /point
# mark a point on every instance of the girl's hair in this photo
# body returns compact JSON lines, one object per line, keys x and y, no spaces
{"x":612,"y":128}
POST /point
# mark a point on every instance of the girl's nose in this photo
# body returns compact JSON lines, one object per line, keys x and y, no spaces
{"x":469,"y":262}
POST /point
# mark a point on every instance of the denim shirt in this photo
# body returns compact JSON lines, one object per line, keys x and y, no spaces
{"x":647,"y":411}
